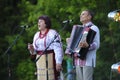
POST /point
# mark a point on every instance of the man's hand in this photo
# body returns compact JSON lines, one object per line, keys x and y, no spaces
{"x":84,"y":44}
{"x":67,"y":40}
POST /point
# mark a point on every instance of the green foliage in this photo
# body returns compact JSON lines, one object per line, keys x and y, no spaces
{"x":26,"y":68}
{"x":22,"y":12}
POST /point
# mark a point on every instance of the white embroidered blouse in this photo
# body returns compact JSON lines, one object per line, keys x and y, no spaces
{"x":40,"y":44}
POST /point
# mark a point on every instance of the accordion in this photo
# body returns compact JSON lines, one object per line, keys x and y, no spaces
{"x":79,"y":34}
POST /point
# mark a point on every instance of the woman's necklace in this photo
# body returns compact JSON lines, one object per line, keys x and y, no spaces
{"x":43,"y":35}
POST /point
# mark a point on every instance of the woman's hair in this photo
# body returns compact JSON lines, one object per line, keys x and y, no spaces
{"x":47,"y":20}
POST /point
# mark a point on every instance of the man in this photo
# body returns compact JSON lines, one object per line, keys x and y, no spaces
{"x":84,"y":67}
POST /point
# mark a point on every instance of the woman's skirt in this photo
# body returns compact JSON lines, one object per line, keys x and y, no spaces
{"x":46,"y":66}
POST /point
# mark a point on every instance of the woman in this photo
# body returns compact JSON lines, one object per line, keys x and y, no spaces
{"x":50,"y":62}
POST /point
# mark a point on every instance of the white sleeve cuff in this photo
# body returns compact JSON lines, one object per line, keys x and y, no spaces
{"x":33,"y":52}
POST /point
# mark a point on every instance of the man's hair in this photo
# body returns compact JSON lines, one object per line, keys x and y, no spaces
{"x":90,"y":12}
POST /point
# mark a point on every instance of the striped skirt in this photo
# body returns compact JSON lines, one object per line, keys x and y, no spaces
{"x":46,"y":66}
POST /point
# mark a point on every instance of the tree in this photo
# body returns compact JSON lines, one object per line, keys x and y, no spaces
{"x":15,"y":13}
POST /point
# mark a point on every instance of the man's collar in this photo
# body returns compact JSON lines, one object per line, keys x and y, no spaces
{"x":88,"y":24}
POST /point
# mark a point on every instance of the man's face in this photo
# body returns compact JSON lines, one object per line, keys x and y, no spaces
{"x":85,"y":17}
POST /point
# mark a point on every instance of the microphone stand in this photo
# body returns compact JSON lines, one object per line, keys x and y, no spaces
{"x":8,"y":54}
{"x":44,"y":52}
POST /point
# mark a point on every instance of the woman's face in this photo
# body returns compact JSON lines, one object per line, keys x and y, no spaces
{"x":41,"y":24}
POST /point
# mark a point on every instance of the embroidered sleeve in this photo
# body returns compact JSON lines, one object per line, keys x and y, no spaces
{"x":34,"y":40}
{"x":57,"y":46}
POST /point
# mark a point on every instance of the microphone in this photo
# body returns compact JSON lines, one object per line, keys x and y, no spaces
{"x":25,"y":26}
{"x":67,"y":21}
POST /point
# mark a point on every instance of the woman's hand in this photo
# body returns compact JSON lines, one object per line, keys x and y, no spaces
{"x":58,"y":67}
{"x":30,"y":48}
